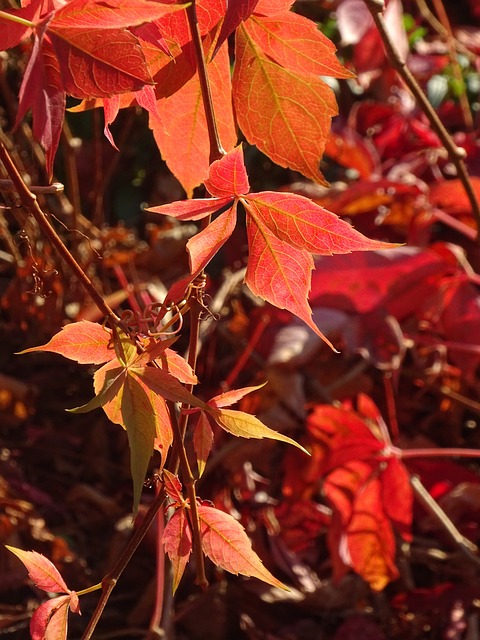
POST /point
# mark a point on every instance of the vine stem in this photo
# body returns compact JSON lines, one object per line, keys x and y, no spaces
{"x":110,"y":580}
{"x":456,"y":154}
{"x":13,"y":18}
{"x":468,"y":548}
{"x":216,"y":149}
{"x":30,"y":203}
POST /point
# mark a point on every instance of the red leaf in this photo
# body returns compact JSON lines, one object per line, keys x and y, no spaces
{"x":232,"y":397}
{"x":13,"y":32}
{"x":273,"y":7}
{"x":50,"y":620}
{"x":85,"y":342}
{"x":108,"y":15}
{"x":43,"y":91}
{"x":397,"y":497}
{"x":191,"y":209}
{"x":228,"y":177}
{"x":177,"y":540}
{"x":306,"y":225}
{"x":41,"y":570}
{"x":173,"y":487}
{"x":225,"y":542}
{"x":237,"y":11}
{"x":279,"y":273}
{"x":205,"y":244}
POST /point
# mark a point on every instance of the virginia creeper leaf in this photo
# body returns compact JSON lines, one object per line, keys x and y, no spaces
{"x":228,"y":177}
{"x":139,"y":421}
{"x":294,"y":42}
{"x":183,"y":117}
{"x":112,"y":383}
{"x":272,"y":7}
{"x":279,"y":273}
{"x":85,"y":342}
{"x":244,"y":425}
{"x":41,"y":570}
{"x":237,"y":11}
{"x":207,"y":243}
{"x":397,"y":497}
{"x":43,"y":91}
{"x":166,"y":385}
{"x":173,"y":487}
{"x":50,"y":620}
{"x":86,"y":15}
{"x":306,"y":225}
{"x":177,"y":540}
{"x":286,"y":114}
{"x":12,"y":32}
{"x":227,"y":545}
{"x":202,"y":442}
{"x":191,"y":209}
{"x":370,"y":540}
{"x":233,"y":396}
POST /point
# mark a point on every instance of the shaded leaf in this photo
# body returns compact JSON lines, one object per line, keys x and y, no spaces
{"x":202,"y":442}
{"x":41,"y":570}
{"x":50,"y":620}
{"x":173,"y":487}
{"x":139,"y":421}
{"x":227,"y":545}
{"x":177,"y":540}
{"x":237,"y":11}
{"x":370,"y":540}
{"x":112,"y":383}
{"x":206,"y":244}
{"x":191,"y":209}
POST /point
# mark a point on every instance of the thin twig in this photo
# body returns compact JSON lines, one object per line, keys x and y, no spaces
{"x":111,"y":579}
{"x":456,"y":154}
{"x":30,"y":203}
{"x":457,"y":72}
{"x":465,"y":546}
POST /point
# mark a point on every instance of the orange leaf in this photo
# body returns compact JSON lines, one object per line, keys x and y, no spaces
{"x":183,"y":118}
{"x":294,"y":42}
{"x":85,"y":342}
{"x":370,"y":540}
{"x":41,"y":570}
{"x":227,"y":545}
{"x":286,"y":114}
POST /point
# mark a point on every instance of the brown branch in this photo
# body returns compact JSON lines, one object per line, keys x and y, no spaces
{"x":456,"y":154}
{"x":30,"y":204}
